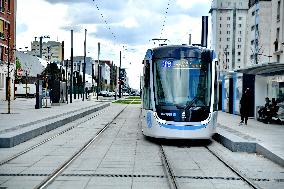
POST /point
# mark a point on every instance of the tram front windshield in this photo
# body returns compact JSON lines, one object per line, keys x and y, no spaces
{"x":183,"y":83}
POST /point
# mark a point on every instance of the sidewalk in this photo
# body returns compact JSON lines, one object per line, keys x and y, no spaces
{"x":256,"y":137}
{"x":25,"y":122}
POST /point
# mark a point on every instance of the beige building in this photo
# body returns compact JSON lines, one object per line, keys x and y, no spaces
{"x":258,"y":44}
{"x":258,"y":48}
{"x":51,"y":50}
{"x":229,"y":19}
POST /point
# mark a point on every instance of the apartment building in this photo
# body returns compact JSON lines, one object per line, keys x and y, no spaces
{"x":51,"y":50}
{"x":7,"y":46}
{"x":258,"y":49}
{"x":229,"y":18}
{"x":261,"y":65}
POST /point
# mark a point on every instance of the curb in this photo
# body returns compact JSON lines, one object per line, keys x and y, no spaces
{"x":13,"y":138}
{"x":239,"y":144}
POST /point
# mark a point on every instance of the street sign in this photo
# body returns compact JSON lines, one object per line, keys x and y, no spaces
{"x":19,"y":72}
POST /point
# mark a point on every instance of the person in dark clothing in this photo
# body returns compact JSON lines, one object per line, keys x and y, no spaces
{"x":263,"y":111}
{"x":245,"y":101}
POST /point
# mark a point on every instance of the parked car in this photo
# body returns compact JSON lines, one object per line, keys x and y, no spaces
{"x":103,"y":93}
{"x":125,"y":94}
{"x":112,"y":93}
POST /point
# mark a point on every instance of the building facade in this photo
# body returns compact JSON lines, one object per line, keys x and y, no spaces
{"x":229,"y":19}
{"x":261,"y":56}
{"x":51,"y":50}
{"x":7,"y":46}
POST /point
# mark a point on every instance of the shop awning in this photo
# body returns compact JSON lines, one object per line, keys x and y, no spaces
{"x":268,"y":69}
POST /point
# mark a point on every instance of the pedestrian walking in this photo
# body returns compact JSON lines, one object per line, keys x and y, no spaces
{"x":245,"y":101}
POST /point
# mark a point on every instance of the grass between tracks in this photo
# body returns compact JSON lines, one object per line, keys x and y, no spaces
{"x":129,"y":100}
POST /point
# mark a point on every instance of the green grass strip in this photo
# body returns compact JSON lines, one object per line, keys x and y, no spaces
{"x":133,"y":97}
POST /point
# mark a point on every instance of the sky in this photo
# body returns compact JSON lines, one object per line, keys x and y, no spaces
{"x":118,"y":25}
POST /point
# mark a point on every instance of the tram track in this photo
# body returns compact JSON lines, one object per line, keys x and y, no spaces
{"x":236,"y":171}
{"x":7,"y":160}
{"x":60,"y":169}
{"x":168,"y":170}
{"x":172,"y":178}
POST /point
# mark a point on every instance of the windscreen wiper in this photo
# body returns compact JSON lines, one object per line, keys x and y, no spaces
{"x":190,"y":103}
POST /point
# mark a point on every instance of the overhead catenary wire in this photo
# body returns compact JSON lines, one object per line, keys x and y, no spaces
{"x":105,"y":21}
{"x":165,"y":18}
{"x":160,"y":38}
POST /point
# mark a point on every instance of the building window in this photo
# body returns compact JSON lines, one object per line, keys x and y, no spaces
{"x":240,"y":25}
{"x":252,"y":28}
{"x":228,"y":32}
{"x":240,"y":32}
{"x":2,"y":77}
{"x":252,"y":42}
{"x":277,"y":33}
{"x":220,"y":25}
{"x":240,"y":18}
{"x":2,"y":29}
{"x":239,"y":39}
{"x":239,"y":46}
{"x":220,"y":32}
{"x":228,"y":25}
{"x":9,"y":5}
{"x":239,"y":60}
{"x":278,"y":11}
{"x":253,"y":13}
{"x":2,"y":5}
{"x":251,"y":56}
{"x":220,"y":39}
{"x":228,"y":18}
{"x":220,"y":18}
{"x":228,"y":39}
{"x":278,"y":58}
{"x":1,"y":53}
{"x":239,"y":53}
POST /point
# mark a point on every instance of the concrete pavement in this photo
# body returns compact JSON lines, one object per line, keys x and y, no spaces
{"x":25,"y":122}
{"x":256,"y":137}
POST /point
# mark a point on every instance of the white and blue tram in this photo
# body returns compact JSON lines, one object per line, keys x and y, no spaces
{"x":179,"y":93}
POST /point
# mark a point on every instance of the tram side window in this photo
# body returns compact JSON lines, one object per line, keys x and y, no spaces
{"x":146,"y":89}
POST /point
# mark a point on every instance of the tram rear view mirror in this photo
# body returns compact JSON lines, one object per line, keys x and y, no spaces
{"x":145,"y":62}
{"x":206,"y":56}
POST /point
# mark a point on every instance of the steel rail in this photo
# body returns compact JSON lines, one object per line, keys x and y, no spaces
{"x":232,"y":168}
{"x":59,"y":170}
{"x":46,"y":140}
{"x":168,"y":169}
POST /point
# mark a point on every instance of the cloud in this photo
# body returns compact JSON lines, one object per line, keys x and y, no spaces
{"x":75,"y":28}
{"x":113,"y":23}
{"x":21,"y":28}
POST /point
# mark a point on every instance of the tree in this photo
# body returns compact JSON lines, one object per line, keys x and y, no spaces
{"x":52,"y":72}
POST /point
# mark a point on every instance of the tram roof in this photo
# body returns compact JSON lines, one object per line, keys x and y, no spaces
{"x":179,"y":46}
